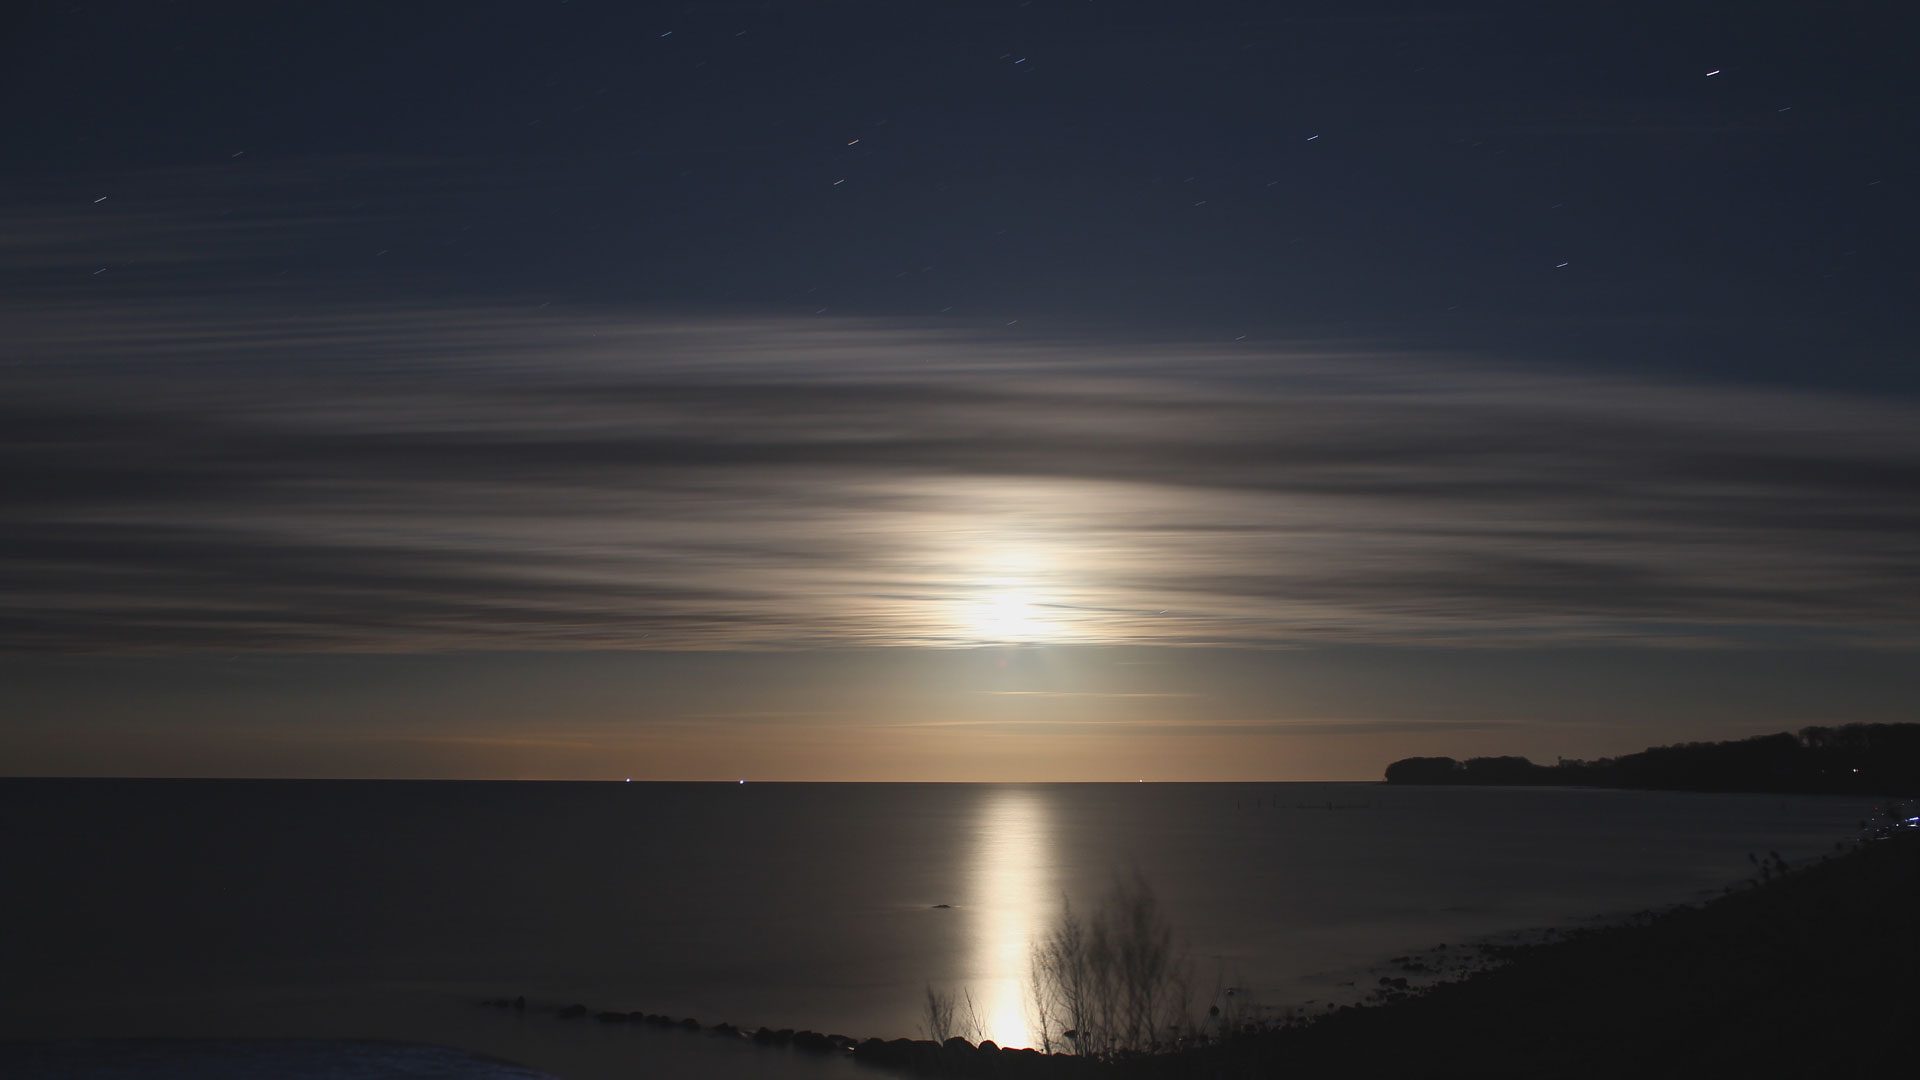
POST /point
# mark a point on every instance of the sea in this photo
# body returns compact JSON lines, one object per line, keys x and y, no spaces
{"x":240,"y":928}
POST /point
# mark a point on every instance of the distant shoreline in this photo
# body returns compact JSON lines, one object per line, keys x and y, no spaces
{"x":1857,"y":759}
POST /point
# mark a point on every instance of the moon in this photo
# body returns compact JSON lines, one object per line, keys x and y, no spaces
{"x":1009,"y":615}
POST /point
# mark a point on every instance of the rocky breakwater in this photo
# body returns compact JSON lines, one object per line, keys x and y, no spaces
{"x":955,"y":1057}
{"x":958,"y":1057}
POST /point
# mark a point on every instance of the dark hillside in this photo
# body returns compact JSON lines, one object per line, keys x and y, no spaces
{"x":1810,"y":974}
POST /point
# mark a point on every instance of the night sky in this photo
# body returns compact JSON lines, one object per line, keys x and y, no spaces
{"x":987,"y":391}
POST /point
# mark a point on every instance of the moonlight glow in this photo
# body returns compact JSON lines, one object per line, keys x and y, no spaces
{"x":1009,"y":616}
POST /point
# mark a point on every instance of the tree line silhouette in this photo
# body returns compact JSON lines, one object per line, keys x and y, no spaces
{"x":1863,"y":759}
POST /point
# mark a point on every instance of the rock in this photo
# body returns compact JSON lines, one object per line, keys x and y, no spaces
{"x":1026,"y":1055}
{"x":922,"y":1054}
{"x":724,"y":1028}
{"x":943,"y":907}
{"x":573,"y":1012}
{"x":611,"y":1017}
{"x":690,"y":1024}
{"x":767,"y":1037}
{"x":811,"y":1041}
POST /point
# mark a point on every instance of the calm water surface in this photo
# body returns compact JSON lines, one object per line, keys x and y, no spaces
{"x":224,"y":909}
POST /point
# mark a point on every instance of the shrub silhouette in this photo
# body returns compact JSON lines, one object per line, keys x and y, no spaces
{"x":944,"y":1020}
{"x":1113,"y":984}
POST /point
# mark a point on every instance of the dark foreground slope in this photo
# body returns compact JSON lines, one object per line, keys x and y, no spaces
{"x":1813,"y":974}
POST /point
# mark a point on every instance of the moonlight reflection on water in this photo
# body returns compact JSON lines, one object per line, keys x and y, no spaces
{"x":1012,"y":900}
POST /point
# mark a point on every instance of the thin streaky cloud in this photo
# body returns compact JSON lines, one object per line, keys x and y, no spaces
{"x":255,"y":478}
{"x":1089,"y":693}
{"x":1277,"y":728}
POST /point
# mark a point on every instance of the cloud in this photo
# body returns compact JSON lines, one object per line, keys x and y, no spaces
{"x":1090,"y":693}
{"x":241,"y":475}
{"x":1265,"y":728}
